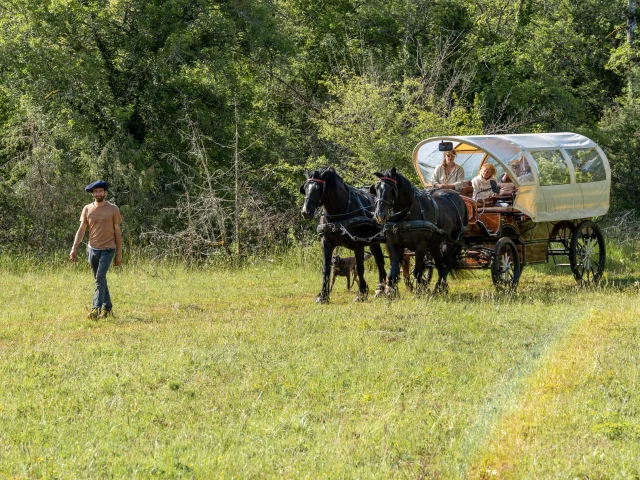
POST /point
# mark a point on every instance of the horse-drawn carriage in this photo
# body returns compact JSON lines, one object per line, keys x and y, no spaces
{"x":559,"y":182}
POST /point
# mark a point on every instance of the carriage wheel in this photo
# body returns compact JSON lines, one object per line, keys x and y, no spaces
{"x":587,"y":254}
{"x":505,"y":267}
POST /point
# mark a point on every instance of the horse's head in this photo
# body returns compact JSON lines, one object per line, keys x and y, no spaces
{"x":386,"y":192}
{"x":314,"y":190}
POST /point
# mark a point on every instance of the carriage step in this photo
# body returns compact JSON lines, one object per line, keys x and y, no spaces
{"x":563,"y":264}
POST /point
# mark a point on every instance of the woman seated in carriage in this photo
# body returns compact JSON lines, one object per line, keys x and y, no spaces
{"x":521,"y":169}
{"x":485,"y":184}
{"x":449,"y":175}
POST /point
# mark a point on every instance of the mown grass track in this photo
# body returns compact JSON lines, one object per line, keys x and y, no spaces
{"x":239,"y":374}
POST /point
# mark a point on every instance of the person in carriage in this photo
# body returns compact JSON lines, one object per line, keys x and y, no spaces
{"x":485,"y":183}
{"x":450,"y":176}
{"x":522,"y":169}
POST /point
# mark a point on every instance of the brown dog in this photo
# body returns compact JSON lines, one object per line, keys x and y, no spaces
{"x":345,"y":267}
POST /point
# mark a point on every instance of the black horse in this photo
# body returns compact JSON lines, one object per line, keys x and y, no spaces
{"x":347,"y":222}
{"x":427,"y":223}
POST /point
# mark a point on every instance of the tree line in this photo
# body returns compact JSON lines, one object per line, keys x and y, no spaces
{"x":202,"y":114}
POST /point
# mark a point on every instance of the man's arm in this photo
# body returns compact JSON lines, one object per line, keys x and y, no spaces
{"x":73,"y":256}
{"x":118,"y":234}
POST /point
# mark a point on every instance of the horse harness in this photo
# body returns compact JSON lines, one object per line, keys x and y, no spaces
{"x":423,"y":223}
{"x":332,"y":226}
{"x":397,"y":224}
{"x":316,"y":203}
{"x":342,"y":226}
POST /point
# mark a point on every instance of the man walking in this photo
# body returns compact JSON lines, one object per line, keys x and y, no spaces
{"x":105,"y":242}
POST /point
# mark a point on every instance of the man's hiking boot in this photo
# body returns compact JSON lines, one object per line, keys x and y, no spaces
{"x":106,"y":313}
{"x":94,"y":314}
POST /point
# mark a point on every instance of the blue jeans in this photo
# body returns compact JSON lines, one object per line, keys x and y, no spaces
{"x":100,"y":260}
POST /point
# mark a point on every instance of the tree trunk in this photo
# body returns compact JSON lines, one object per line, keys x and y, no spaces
{"x":631,"y":22}
{"x":631,"y":36}
{"x":236,"y":161}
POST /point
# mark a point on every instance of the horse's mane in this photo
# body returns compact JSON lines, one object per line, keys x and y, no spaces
{"x":401,"y":179}
{"x":333,"y":179}
{"x":331,"y":176}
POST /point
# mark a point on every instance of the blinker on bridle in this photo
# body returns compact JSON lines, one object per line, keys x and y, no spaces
{"x":392,"y":180}
{"x":318,"y":202}
{"x":394,"y":184}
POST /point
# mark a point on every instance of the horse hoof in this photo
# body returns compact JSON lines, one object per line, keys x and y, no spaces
{"x":408,"y":284}
{"x":322,"y":300}
{"x":421,"y":290}
{"x":391,"y":292}
{"x":441,"y":291}
{"x":361,"y":297}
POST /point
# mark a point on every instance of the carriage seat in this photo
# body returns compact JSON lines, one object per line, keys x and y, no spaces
{"x":500,"y":203}
{"x":507,"y":188}
{"x":472,"y":209}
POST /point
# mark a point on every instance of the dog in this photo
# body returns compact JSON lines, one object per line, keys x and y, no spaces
{"x":345,"y":267}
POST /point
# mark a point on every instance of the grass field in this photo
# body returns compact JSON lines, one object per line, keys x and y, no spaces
{"x":237,"y":373}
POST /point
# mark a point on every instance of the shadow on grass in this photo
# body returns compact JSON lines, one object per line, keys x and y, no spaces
{"x":622,"y":283}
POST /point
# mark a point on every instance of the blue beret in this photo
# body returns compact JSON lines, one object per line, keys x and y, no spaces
{"x":98,"y":184}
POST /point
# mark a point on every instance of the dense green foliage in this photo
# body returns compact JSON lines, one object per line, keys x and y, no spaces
{"x":202,"y":114}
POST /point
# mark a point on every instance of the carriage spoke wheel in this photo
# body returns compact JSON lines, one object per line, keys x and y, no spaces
{"x":587,"y":254}
{"x":505,"y":267}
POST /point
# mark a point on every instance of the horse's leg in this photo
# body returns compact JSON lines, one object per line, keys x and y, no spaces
{"x":441,"y":284}
{"x":428,"y":269}
{"x":363,"y":289}
{"x":441,"y":266}
{"x":349,"y":280}
{"x":327,"y":251}
{"x":333,"y":280}
{"x":449,"y":259}
{"x":406,"y":271}
{"x":395,"y":253}
{"x":418,"y":271}
{"x":378,"y":256}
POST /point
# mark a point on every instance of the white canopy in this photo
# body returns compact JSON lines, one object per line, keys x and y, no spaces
{"x":560,"y":176}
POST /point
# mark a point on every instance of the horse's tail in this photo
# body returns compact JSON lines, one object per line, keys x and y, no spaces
{"x":458,"y":263}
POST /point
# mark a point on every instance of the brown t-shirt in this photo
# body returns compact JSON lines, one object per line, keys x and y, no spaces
{"x":102,"y":221}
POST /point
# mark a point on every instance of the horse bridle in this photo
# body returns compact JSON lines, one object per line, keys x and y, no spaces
{"x":316,"y":203}
{"x":405,"y":211}
{"x":394,"y":184}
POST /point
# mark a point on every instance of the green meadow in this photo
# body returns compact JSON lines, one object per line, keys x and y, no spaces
{"x":224,"y":372}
